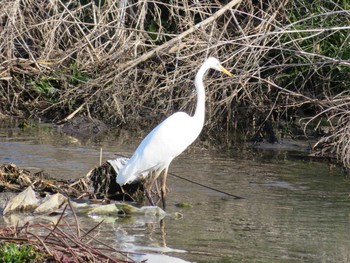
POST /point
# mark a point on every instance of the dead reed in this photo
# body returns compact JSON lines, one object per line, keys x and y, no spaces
{"x":134,"y":61}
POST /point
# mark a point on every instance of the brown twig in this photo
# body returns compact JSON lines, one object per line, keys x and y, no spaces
{"x":58,"y":221}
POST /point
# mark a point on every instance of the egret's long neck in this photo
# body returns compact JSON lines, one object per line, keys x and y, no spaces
{"x":200,"y":109}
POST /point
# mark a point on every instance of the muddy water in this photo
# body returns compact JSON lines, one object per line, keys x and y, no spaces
{"x":294,"y":210}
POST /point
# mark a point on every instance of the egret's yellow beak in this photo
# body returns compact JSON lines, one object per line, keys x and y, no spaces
{"x":225,"y":71}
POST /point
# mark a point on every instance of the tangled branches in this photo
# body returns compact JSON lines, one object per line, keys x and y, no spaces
{"x":69,"y":54}
{"x":134,"y":61}
{"x":336,"y":142}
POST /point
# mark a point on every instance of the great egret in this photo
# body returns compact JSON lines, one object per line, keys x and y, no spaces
{"x":167,"y":140}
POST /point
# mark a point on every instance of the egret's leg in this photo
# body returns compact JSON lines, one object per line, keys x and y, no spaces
{"x":149,"y":185}
{"x":158,"y":184}
{"x":121,"y":188}
{"x":148,"y":195}
{"x":163,"y":189}
{"x":147,"y":189}
{"x":158,"y":191}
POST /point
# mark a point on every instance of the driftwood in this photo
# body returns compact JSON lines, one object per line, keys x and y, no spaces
{"x":102,"y":181}
{"x":99,"y":183}
{"x":12,"y":178}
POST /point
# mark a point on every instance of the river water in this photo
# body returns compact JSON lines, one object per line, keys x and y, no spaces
{"x":294,"y":209}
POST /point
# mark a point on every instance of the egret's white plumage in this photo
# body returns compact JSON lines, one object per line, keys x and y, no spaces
{"x":170,"y":138}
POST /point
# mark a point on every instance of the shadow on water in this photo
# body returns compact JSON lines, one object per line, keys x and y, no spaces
{"x":294,"y":210}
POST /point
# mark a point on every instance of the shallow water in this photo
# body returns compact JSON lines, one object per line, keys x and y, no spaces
{"x":294,"y":210}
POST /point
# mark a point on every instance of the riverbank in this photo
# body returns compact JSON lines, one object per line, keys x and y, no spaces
{"x":132,"y":65}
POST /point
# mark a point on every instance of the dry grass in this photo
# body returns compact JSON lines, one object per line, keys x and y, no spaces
{"x":134,"y":61}
{"x":336,"y":142}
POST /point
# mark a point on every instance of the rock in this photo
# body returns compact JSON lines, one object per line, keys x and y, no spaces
{"x":152,"y":211}
{"x":145,"y":210}
{"x":127,"y":209}
{"x":24,"y":201}
{"x":106,"y":210}
{"x":51,"y":203}
{"x":118,"y":209}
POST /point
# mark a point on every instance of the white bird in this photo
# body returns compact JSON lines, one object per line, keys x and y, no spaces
{"x":167,"y":140}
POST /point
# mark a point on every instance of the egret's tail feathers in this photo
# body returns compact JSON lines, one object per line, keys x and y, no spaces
{"x":129,"y":179}
{"x":118,"y":163}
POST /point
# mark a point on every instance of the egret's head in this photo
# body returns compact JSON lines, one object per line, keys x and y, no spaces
{"x":215,"y":64}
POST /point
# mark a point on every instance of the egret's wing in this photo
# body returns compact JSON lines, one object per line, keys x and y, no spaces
{"x":158,"y":148}
{"x":166,"y":141}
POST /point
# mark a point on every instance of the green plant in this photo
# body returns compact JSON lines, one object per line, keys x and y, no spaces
{"x":46,"y":86}
{"x":12,"y":253}
{"x":316,"y":39}
{"x":77,"y":75}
